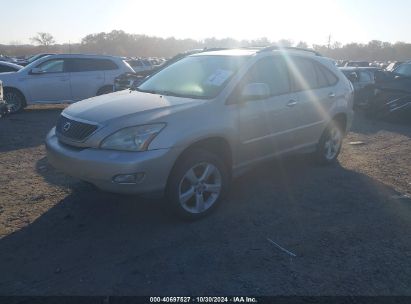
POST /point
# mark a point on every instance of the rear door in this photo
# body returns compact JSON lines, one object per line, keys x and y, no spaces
{"x":112,"y":70}
{"x":315,"y":86}
{"x":367,"y":87}
{"x":86,"y":77}
{"x":266,"y":125}
{"x":51,"y":84}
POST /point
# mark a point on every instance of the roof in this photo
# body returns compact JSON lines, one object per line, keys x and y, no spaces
{"x":248,"y":51}
{"x":348,"y":69}
{"x":227,"y":52}
{"x":84,"y":55}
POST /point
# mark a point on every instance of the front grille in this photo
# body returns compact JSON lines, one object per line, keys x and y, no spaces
{"x":74,"y":130}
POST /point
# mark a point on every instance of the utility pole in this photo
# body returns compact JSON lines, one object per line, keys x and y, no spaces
{"x":329,"y":41}
{"x":69,"y":47}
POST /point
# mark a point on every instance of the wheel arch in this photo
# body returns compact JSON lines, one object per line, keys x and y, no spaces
{"x":11,"y":88}
{"x":342,"y":119}
{"x":215,"y":144}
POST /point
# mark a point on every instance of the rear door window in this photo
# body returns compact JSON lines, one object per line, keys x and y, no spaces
{"x":303,"y":74}
{"x":89,"y":65}
{"x":331,"y":78}
{"x":365,"y":77}
{"x":307,"y":74}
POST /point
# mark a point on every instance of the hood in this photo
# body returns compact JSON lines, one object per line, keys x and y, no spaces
{"x":124,"y":104}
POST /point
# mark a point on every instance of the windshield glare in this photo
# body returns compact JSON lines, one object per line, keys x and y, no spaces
{"x":194,"y":76}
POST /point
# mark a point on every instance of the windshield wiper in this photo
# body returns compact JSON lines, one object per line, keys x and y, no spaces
{"x":170,"y":93}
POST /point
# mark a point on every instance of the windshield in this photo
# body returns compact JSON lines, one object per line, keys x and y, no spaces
{"x":404,"y":70}
{"x":194,"y":76}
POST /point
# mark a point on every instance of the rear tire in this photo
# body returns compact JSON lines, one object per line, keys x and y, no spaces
{"x":330,"y":143}
{"x":15,"y":100}
{"x":197,"y":184}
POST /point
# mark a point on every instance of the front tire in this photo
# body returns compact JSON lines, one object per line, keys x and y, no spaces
{"x":197,"y":184}
{"x":15,"y":100}
{"x":330,"y":143}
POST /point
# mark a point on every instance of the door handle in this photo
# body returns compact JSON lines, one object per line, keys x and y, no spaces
{"x":331,"y":95}
{"x":292,"y":103}
{"x":64,"y":79}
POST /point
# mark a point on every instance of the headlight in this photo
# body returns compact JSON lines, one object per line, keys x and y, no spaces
{"x":133,"y":138}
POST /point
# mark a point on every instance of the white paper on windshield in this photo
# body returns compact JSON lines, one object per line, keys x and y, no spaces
{"x":218,"y":77}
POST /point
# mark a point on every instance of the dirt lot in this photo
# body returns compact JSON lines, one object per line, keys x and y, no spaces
{"x":348,"y":225}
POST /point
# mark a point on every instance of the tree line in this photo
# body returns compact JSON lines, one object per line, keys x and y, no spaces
{"x":124,"y":44}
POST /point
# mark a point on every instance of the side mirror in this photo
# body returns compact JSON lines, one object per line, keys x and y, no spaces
{"x":353,"y":77}
{"x":36,"y":71}
{"x":255,"y":91}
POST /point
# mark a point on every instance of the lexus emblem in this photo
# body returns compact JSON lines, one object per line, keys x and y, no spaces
{"x":66,"y":126}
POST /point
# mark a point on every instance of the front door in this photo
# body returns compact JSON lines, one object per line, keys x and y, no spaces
{"x":266,"y":125}
{"x":50,"y":83}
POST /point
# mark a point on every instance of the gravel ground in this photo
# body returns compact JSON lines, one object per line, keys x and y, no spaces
{"x":348,"y":225}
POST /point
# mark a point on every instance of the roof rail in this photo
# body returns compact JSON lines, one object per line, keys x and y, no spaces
{"x":275,"y":47}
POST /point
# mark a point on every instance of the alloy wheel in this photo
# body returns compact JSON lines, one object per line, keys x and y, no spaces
{"x":333,"y":143}
{"x":200,"y":188}
{"x":14,"y":101}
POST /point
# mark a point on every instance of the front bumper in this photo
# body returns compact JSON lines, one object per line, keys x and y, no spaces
{"x":99,"y":166}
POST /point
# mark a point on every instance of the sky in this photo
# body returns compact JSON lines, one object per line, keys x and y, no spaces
{"x":311,"y":21}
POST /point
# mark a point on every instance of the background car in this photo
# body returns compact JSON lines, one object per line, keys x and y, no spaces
{"x":363,"y":81}
{"x":4,"y":110}
{"x":9,"y":67}
{"x":393,"y":65}
{"x":393,"y":93}
{"x":357,"y":64}
{"x":62,"y":78}
{"x":132,"y":80}
{"x":32,"y":58}
{"x":140,"y":65}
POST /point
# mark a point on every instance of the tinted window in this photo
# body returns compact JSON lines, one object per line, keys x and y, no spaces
{"x":52,"y":66}
{"x":88,"y":65}
{"x":5,"y":68}
{"x":404,"y":69}
{"x":308,"y":74}
{"x":303,"y":73}
{"x":365,"y":77}
{"x":271,"y":71}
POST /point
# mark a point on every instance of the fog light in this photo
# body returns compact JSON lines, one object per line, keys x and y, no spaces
{"x":129,"y":178}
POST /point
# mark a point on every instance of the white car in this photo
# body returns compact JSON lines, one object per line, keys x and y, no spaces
{"x":62,"y":78}
{"x":9,"y":67}
{"x":140,"y":65}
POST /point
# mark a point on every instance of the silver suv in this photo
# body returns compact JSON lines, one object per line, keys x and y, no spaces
{"x":62,"y":78}
{"x":192,"y":126}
